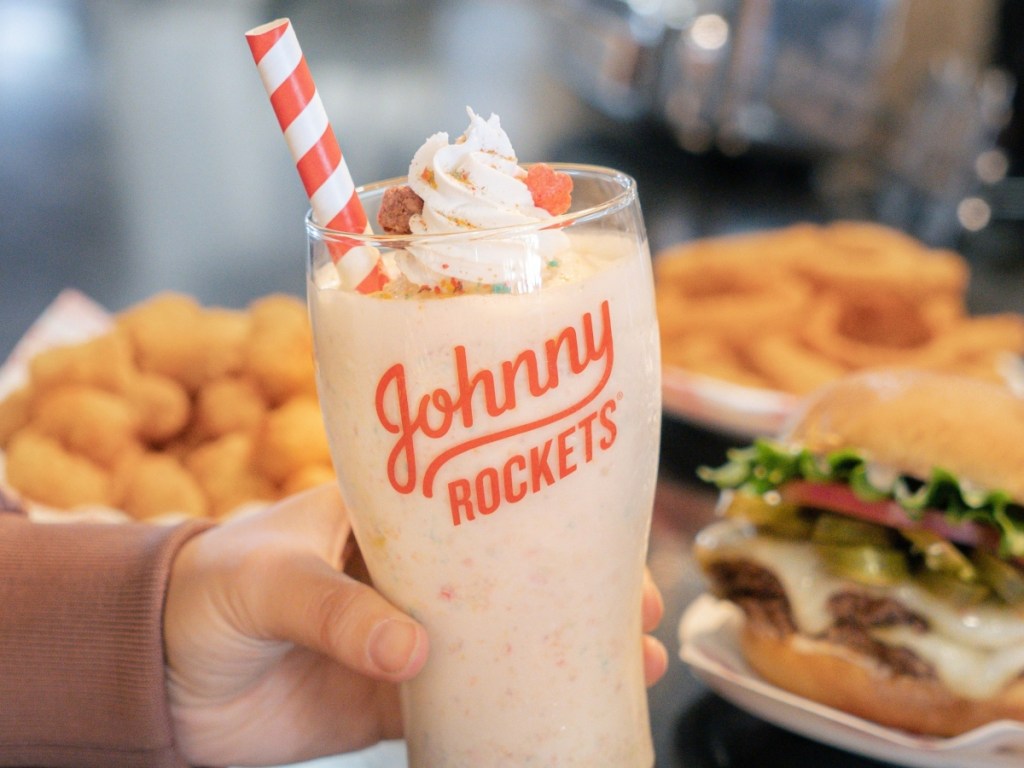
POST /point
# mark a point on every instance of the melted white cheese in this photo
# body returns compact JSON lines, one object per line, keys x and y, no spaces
{"x":974,"y":672}
{"x":975,"y":651}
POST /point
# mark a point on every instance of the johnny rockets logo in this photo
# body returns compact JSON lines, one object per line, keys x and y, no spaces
{"x":421,"y":420}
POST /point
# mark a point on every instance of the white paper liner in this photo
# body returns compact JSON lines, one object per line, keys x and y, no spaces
{"x":72,"y":317}
{"x":709,"y":643}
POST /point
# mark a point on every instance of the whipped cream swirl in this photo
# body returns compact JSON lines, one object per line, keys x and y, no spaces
{"x":470,"y":186}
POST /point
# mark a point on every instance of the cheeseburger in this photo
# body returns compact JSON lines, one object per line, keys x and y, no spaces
{"x":877,"y":551}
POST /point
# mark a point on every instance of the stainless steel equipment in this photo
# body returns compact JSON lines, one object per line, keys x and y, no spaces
{"x":895,"y":97}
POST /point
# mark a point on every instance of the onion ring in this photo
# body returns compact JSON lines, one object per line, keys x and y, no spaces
{"x":709,"y":355}
{"x":861,"y":258}
{"x":791,"y":366}
{"x":711,"y":296}
{"x":794,"y":307}
{"x":876,"y":329}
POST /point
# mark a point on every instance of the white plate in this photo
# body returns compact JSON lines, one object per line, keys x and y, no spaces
{"x":721,"y":406}
{"x":708,"y":634}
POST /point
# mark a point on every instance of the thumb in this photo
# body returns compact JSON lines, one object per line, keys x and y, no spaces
{"x":313,"y":605}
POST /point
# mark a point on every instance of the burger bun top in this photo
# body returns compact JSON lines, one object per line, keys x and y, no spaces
{"x":914,"y":421}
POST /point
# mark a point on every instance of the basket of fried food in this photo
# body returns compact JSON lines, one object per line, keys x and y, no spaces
{"x":176,"y":410}
{"x":776,"y":314}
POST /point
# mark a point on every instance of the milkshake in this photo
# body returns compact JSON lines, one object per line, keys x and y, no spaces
{"x":494,"y":414}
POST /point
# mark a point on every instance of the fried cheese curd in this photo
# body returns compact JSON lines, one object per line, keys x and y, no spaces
{"x":178,"y":410}
{"x":794,"y":308}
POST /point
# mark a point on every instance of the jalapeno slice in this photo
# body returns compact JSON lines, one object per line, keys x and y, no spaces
{"x":940,"y":554}
{"x":874,"y":566}
{"x":947,"y":586}
{"x":837,"y":529}
{"x":1005,"y":579}
{"x":770,"y":514}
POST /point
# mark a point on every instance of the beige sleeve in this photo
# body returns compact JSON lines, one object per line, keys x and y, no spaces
{"x":81,"y":651}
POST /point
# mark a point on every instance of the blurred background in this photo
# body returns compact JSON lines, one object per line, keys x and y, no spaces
{"x":138,"y":151}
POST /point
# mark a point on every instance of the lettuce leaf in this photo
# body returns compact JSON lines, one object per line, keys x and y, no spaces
{"x":765,"y":465}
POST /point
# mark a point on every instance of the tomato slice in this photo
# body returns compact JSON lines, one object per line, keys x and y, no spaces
{"x":837,"y":497}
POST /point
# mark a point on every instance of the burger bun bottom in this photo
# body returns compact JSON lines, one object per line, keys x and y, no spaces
{"x":840,"y":678}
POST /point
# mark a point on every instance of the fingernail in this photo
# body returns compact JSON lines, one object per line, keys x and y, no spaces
{"x":391,"y":645}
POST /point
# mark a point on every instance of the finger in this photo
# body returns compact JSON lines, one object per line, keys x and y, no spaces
{"x":655,"y":660}
{"x":653,"y":606}
{"x":312,"y":605}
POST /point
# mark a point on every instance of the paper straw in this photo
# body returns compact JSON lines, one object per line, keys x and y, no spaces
{"x":314,"y":148}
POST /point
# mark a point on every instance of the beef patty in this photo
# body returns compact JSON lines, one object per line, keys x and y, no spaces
{"x":855,"y":614}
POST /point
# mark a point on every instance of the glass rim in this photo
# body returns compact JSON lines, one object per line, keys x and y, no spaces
{"x":626,"y":194}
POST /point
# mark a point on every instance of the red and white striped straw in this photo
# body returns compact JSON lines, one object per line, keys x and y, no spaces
{"x":314,"y":148}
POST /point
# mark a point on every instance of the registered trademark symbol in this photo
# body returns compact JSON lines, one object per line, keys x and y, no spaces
{"x":618,"y":395}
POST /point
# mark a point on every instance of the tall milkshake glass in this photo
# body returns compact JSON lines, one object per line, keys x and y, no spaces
{"x":497,"y":443}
